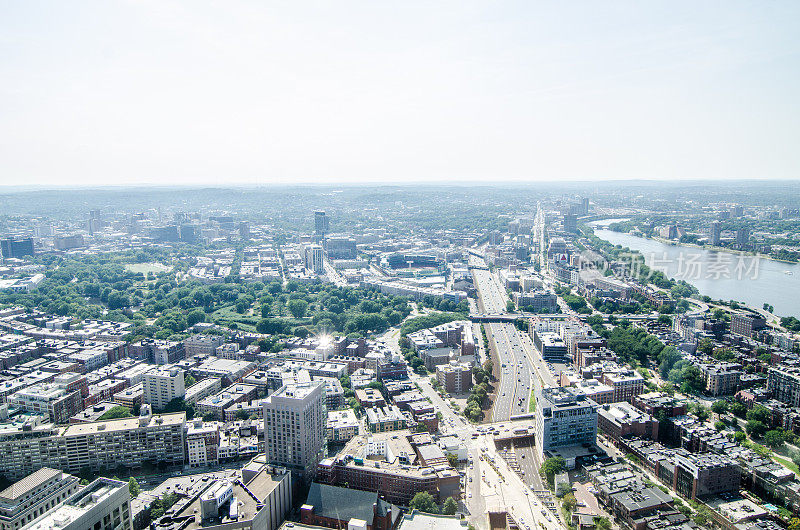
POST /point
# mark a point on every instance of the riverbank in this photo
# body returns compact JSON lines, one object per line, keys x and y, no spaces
{"x":674,"y":243}
{"x":746,"y":279}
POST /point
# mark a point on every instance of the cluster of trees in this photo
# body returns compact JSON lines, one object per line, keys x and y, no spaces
{"x":480,"y":390}
{"x":160,"y":306}
{"x":350,"y":395}
{"x":634,"y":345}
{"x":577,"y":303}
{"x":552,"y":467}
{"x":610,"y":305}
{"x":412,"y":357}
{"x":758,"y":419}
{"x":162,"y":504}
{"x":790,"y":323}
{"x":430,"y":320}
{"x":638,"y":269}
{"x":682,"y":373}
{"x":323,"y":308}
{"x":542,"y":310}
{"x":179,"y":405}
{"x":424,"y":502}
{"x":476,"y":401}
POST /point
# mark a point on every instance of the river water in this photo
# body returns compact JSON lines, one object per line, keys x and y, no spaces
{"x":720,"y":275}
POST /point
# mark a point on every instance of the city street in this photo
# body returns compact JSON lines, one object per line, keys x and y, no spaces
{"x":503,"y":489}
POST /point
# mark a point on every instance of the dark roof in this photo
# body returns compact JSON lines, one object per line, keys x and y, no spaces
{"x":344,"y":504}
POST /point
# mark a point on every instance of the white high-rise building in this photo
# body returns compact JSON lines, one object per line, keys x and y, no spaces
{"x":295,"y":421}
{"x":162,"y":385}
{"x":314,"y":259}
{"x":564,"y":417}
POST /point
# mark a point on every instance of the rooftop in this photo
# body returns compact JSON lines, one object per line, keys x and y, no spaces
{"x":177,"y":418}
{"x":21,"y":487}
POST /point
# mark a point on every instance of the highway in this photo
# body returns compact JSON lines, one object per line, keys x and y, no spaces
{"x":514,"y":389}
{"x":491,"y":295}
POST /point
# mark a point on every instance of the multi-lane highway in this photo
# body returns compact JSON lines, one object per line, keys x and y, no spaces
{"x":514,"y":388}
{"x":513,"y":391}
{"x":492,"y":297}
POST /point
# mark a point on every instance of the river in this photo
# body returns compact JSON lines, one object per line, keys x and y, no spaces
{"x":720,"y":275}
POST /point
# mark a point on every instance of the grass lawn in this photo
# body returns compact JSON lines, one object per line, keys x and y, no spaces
{"x":532,"y":402}
{"x":248,"y":322}
{"x":786,"y":463}
{"x":144,"y":268}
{"x":229,"y":314}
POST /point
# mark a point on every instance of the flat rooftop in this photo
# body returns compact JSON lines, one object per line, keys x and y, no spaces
{"x":177,"y":418}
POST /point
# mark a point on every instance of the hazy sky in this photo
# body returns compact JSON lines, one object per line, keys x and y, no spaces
{"x":162,"y":92}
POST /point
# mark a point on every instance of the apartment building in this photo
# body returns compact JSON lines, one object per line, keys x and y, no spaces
{"x":130,"y":397}
{"x":745,"y":324}
{"x":202,"y":344}
{"x":383,"y":419}
{"x":537,"y":301}
{"x":216,"y":405}
{"x":598,"y":392}
{"x":455,"y":377}
{"x":229,"y":370}
{"x":698,"y":475}
{"x":203,"y":388}
{"x":784,"y":384}
{"x":162,"y":385}
{"x":158,"y":351}
{"x":313,"y":259}
{"x":295,"y":419}
{"x":259,"y":497}
{"x":626,"y":383}
{"x":129,"y":442}
{"x":370,"y":397}
{"x":387,"y":464}
{"x":341,"y":425}
{"x":721,"y":379}
{"x":202,"y":443}
{"x":52,"y":400}
{"x":621,"y":420}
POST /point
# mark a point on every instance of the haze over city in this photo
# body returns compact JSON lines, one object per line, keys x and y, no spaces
{"x":110,"y":93}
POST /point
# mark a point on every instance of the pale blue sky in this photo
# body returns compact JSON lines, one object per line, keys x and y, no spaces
{"x":161,"y":92}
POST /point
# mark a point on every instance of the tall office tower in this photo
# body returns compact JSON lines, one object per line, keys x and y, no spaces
{"x":13,"y":247}
{"x":162,"y":385}
{"x":585,"y":206}
{"x":295,"y":419}
{"x":190,"y":233}
{"x":313,"y":259}
{"x":737,"y":210}
{"x":94,"y":224}
{"x":565,"y":417}
{"x":743,"y":237}
{"x":321,"y":223}
{"x":714,"y":232}
{"x":244,"y":230}
{"x":570,"y":222}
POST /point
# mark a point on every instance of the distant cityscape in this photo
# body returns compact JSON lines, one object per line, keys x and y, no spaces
{"x":423,"y":358}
